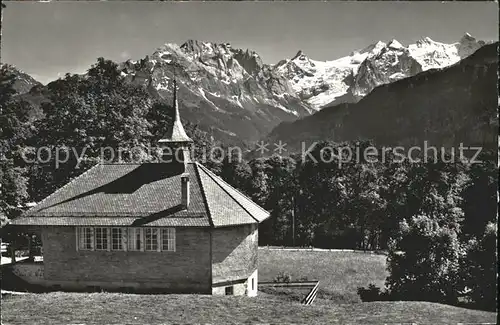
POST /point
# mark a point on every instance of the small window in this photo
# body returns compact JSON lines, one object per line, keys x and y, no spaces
{"x":168,"y":239}
{"x":116,"y":239}
{"x":101,"y":239}
{"x":253,"y":284}
{"x":85,"y":240}
{"x":151,"y":236}
{"x":135,"y":239}
{"x":229,"y":291}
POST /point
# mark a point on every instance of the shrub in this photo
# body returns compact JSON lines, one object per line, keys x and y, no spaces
{"x":479,"y":270}
{"x":424,"y":262}
{"x":372,"y":293}
{"x":283,"y":277}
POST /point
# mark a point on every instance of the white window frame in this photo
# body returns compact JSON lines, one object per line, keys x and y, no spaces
{"x":132,"y":239}
{"x":101,"y":237}
{"x":168,"y":239}
{"x":81,"y":242}
{"x":119,"y":236}
{"x":151,"y":242}
{"x":165,"y":239}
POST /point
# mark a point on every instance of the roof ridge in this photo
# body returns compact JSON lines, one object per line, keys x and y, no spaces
{"x":212,"y":175}
{"x":203,"y":194}
{"x":60,"y":189}
{"x":244,"y":195}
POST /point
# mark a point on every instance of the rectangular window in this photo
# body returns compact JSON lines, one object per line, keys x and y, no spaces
{"x":168,"y":239}
{"x":151,"y":237}
{"x":85,"y":241}
{"x":126,"y":239}
{"x":135,"y":239}
{"x":101,"y":239}
{"x":116,"y":239}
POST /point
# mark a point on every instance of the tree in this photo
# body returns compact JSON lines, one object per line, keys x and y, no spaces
{"x":431,"y":189}
{"x":424,"y":262}
{"x":96,"y":111}
{"x":259,"y":192}
{"x":235,"y":171}
{"x":95,"y":117}
{"x":259,"y":187}
{"x":281,"y":189}
{"x":15,"y":130}
{"x":479,"y":269}
{"x":480,"y":196}
{"x":362,"y":205}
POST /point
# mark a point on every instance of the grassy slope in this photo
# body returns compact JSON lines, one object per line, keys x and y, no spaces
{"x":340,"y":274}
{"x":110,"y":308}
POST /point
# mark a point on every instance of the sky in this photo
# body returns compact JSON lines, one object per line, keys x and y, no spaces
{"x":47,"y":40}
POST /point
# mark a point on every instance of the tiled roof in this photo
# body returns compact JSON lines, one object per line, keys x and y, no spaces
{"x":253,"y":210}
{"x":144,"y":194}
{"x":110,"y":221}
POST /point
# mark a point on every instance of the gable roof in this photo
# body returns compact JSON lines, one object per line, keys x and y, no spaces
{"x":144,"y":195}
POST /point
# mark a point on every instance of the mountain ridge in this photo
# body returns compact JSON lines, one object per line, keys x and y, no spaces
{"x":236,"y":97}
{"x":446,"y":107}
{"x":350,"y":78}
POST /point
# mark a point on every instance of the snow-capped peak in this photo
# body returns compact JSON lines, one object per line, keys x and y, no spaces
{"x":467,"y":37}
{"x":371,"y":49}
{"x":317,"y":83}
{"x":321,"y":83}
{"x":395,"y":44}
{"x":300,"y":56}
{"x":425,"y":41}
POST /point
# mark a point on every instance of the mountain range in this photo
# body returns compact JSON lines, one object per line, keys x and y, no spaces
{"x":350,"y":78}
{"x":445,"y":107}
{"x":231,"y":94}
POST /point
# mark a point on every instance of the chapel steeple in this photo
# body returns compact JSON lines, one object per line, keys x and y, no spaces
{"x":176,"y":143}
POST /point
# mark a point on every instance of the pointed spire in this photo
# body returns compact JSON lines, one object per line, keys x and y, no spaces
{"x":176,"y":103}
{"x":177,"y":133}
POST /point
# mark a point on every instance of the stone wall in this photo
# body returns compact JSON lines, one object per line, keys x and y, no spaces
{"x":185,"y":270}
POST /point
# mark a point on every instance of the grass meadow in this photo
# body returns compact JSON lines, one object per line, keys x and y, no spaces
{"x":340,"y":273}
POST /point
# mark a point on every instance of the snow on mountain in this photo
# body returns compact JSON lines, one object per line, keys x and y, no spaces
{"x":348,"y":79}
{"x":231,"y":86}
{"x":232,"y":90}
{"x":447,"y":107}
{"x":431,"y":54}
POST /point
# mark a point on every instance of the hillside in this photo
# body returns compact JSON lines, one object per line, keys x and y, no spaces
{"x":445,"y":106}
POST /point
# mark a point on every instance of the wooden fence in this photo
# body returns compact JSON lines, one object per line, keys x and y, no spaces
{"x":308,"y":299}
{"x":313,"y":249}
